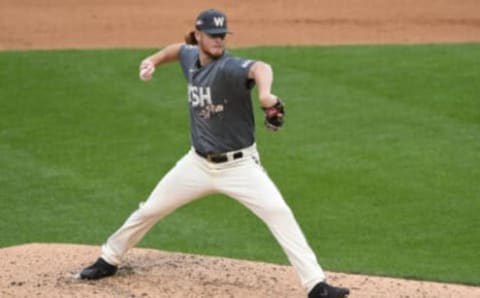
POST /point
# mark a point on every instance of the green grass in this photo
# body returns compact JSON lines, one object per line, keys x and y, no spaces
{"x":379,"y":158}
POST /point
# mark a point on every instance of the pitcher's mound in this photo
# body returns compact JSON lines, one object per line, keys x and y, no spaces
{"x":51,"y":270}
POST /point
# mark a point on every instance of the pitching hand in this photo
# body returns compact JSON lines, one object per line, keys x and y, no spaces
{"x":147,"y":68}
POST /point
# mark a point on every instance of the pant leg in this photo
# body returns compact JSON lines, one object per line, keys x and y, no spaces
{"x":186,"y":181}
{"x":250,"y":185}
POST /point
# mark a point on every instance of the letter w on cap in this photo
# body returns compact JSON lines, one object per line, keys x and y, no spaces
{"x":219,"y":21}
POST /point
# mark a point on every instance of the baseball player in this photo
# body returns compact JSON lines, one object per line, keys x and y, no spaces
{"x":223,"y":157}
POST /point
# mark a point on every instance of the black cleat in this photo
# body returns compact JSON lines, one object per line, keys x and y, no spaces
{"x":99,"y":269}
{"x":324,"y":290}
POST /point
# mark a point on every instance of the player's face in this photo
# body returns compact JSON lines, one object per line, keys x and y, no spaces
{"x":212,"y":44}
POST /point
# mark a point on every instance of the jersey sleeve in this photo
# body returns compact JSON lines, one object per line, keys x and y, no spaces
{"x":237,"y":70}
{"x":188,"y":54}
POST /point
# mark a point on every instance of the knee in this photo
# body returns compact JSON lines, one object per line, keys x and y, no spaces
{"x":154,"y":210}
{"x":147,"y":211}
{"x":280,"y":211}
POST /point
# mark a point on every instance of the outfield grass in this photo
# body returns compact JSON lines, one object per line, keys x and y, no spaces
{"x":379,"y":158}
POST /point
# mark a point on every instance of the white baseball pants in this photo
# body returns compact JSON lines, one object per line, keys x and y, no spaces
{"x":243,"y":179}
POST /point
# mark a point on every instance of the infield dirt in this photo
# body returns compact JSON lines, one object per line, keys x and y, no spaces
{"x":46,"y":24}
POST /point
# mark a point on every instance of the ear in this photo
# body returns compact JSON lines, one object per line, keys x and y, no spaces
{"x":198,"y":35}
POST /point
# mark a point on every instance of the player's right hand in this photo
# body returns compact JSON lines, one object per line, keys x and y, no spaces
{"x":147,"y":68}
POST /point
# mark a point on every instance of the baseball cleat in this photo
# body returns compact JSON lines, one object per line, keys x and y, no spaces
{"x":324,"y":290}
{"x":99,"y":269}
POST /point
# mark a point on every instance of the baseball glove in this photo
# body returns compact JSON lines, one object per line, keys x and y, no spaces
{"x":274,"y":115}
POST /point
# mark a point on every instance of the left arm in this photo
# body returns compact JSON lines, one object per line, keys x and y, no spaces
{"x":273,"y":107}
{"x":262,"y":73}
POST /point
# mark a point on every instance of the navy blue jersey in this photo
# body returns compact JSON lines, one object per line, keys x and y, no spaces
{"x":219,"y":96}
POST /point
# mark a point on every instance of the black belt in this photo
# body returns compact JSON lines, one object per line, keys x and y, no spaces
{"x":219,"y":157}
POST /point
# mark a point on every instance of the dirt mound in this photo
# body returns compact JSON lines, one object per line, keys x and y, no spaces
{"x":51,"y":270}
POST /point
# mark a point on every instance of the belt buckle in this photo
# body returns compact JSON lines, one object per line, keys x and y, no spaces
{"x":217,"y":158}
